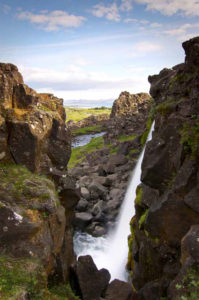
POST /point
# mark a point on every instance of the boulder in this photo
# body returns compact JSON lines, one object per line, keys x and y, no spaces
{"x":89,"y":282}
{"x":82,"y":220}
{"x":118,"y":289}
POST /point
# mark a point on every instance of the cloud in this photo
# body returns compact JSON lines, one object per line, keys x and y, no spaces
{"x":109,"y":12}
{"x":52,"y":21}
{"x":75,"y":83}
{"x":155,"y":25}
{"x":170,"y":7}
{"x":126,"y":5}
{"x":145,"y":47}
{"x":183,"y":32}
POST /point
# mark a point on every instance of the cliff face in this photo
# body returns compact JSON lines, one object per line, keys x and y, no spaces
{"x":32,"y":126}
{"x":36,"y":243}
{"x":164,"y":242}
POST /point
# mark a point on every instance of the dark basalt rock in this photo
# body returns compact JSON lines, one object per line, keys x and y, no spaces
{"x":164,"y":247}
{"x":89,"y":282}
{"x":118,"y":289}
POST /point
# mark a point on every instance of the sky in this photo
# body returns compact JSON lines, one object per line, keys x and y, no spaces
{"x":89,"y":51}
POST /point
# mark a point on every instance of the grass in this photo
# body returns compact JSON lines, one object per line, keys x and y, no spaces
{"x":87,"y":130}
{"x":22,"y":183}
{"x":78,"y":114}
{"x":124,"y":138}
{"x":79,"y":153}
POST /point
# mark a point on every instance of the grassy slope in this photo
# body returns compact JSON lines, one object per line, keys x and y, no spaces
{"x":77,"y":114}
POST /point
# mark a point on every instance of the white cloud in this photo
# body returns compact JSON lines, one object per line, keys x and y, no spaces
{"x":130,"y":20}
{"x":126,"y":5}
{"x":145,"y":47}
{"x":183,"y":32}
{"x":74,"y":83}
{"x":170,"y":7}
{"x":109,"y":12}
{"x":52,"y":21}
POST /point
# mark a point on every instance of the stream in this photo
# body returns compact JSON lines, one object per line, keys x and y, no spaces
{"x":82,"y":140}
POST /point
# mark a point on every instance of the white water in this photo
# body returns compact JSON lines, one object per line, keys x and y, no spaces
{"x":112,"y":252}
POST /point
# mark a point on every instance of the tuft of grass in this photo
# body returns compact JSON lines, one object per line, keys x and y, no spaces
{"x":78,"y":114}
{"x":79,"y":153}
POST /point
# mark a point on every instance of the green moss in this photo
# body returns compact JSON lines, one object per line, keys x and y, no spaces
{"x":45,"y":108}
{"x":88,"y":129}
{"x":153,"y":239}
{"x":148,"y":123}
{"x":188,"y":288}
{"x":131,"y":238}
{"x":190,"y":138}
{"x":78,"y":114}
{"x":124,"y":138}
{"x":79,"y":153}
{"x":63,"y":290}
{"x":17,"y":275}
{"x":143,"y":218}
{"x":139,"y":194}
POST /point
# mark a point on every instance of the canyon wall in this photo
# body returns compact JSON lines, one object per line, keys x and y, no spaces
{"x":164,"y":244}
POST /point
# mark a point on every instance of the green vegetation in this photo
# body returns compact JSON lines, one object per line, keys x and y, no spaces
{"x":124,"y":138}
{"x":77,"y":114}
{"x":79,"y":153}
{"x":131,"y":238}
{"x":148,"y":123}
{"x":18,"y":275}
{"x":188,"y":288}
{"x":143,"y":218}
{"x":190,"y":138}
{"x":155,"y":240}
{"x":22,"y":183}
{"x":166,"y":107}
{"x":87,"y":130}
{"x":139,"y":193}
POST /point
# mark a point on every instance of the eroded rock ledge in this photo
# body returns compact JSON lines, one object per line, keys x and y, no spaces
{"x":164,"y":241}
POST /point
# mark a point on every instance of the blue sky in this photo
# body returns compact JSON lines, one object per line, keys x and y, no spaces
{"x":88,"y":51}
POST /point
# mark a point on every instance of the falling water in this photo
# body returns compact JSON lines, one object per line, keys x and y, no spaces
{"x":112,"y":252}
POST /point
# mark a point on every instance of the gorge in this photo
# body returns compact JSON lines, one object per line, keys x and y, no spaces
{"x":42,"y":200}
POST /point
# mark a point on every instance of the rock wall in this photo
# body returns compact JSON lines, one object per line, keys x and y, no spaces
{"x":36,"y":211}
{"x":164,"y":246}
{"x":32,"y":126}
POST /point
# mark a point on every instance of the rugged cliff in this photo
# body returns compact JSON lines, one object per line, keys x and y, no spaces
{"x":164,"y":243}
{"x":36,"y":211}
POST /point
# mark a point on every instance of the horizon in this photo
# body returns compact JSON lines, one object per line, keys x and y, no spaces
{"x":89,"y":52}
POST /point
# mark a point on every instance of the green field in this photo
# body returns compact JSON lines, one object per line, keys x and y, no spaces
{"x":78,"y":114}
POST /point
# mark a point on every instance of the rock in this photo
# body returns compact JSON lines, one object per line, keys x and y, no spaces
{"x":190,"y":245}
{"x":82,"y":205}
{"x":82,"y":219}
{"x":97,"y":190}
{"x":98,"y":208}
{"x":85,"y":193}
{"x":118,"y":289}
{"x":89,"y":282}
{"x":117,"y":160}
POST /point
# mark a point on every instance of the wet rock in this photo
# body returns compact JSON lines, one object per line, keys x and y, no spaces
{"x":82,"y":205}
{"x":85,"y":193}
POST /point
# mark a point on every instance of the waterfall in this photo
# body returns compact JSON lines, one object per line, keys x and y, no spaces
{"x":111,"y":253}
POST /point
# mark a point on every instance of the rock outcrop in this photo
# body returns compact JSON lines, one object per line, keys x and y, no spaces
{"x":164,"y":241}
{"x":32,"y":126}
